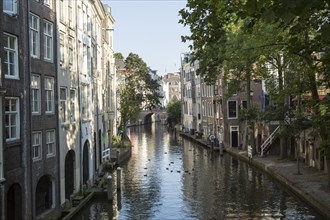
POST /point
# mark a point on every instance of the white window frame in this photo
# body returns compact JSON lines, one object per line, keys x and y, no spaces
{"x":85,"y":106}
{"x":11,"y":57}
{"x":12,"y":7}
{"x":36,"y":145}
{"x":50,"y":143}
{"x":34,"y":36}
{"x":10,"y":113}
{"x":35,"y":94}
{"x":49,"y":95}
{"x":70,"y":13}
{"x":61,"y":11}
{"x":71,"y":49}
{"x":63,"y":104}
{"x":48,"y":41}
{"x":72,"y":105}
{"x":229,"y":117}
{"x":48,"y":3}
{"x":62,"y":52}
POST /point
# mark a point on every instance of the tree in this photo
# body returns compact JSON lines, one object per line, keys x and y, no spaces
{"x":137,"y":90}
{"x":297,"y":42}
{"x":174,"y":111}
{"x":119,"y":56}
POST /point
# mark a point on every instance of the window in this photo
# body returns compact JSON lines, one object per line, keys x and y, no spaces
{"x":72,"y":105}
{"x":232,"y":109}
{"x":61,"y":47}
{"x":12,"y":118}
{"x":70,"y":14}
{"x":80,"y":21}
{"x":34,"y":36}
{"x":85,"y":112}
{"x":48,"y":3}
{"x":10,"y":56}
{"x":63,"y":108}
{"x":61,"y":10}
{"x":35,"y":94}
{"x":49,"y":90}
{"x":50,"y":143}
{"x":70,"y":51}
{"x":84,"y":17}
{"x":10,"y":6}
{"x":48,"y":41}
{"x":36,"y":145}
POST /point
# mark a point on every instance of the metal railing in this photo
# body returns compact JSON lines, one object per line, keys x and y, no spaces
{"x":269,"y":141}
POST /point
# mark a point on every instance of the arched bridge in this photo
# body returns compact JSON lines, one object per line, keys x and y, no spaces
{"x":148,"y":116}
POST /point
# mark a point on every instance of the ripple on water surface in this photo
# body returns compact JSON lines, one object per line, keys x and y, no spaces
{"x":169,"y":178}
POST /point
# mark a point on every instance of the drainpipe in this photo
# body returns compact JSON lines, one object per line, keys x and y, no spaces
{"x":57,"y":69}
{"x":79,"y":109}
{"x":26,"y":148}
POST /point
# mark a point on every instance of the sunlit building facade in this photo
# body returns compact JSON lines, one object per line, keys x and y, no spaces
{"x":57,"y":93}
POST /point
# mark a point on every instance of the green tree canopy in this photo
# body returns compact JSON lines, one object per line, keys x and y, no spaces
{"x":138,"y":90}
{"x":174,"y":109}
{"x":119,"y":56}
{"x":292,"y":36}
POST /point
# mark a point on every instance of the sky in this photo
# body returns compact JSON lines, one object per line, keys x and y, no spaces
{"x":150,"y":29}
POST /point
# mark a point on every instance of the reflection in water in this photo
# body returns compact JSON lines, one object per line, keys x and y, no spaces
{"x":169,"y":178}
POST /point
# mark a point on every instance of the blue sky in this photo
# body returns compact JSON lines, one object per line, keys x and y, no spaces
{"x":150,"y":29}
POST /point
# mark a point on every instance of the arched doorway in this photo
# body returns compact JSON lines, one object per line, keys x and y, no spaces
{"x":44,"y":195}
{"x":69,"y":173}
{"x":86,"y":162}
{"x":14,"y":202}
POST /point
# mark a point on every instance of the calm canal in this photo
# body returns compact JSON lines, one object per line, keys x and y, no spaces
{"x":172,"y":178}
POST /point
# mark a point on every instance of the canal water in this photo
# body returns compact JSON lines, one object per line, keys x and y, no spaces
{"x":168,"y":177}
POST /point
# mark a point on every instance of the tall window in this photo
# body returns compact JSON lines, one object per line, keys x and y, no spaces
{"x":72,"y":105}
{"x":35,"y":93}
{"x":12,"y":118}
{"x":85,"y":59}
{"x":232,"y":109}
{"x":36,"y":145}
{"x":63,"y":107}
{"x":70,"y":13}
{"x":84,"y":18}
{"x":85,"y":112}
{"x":49,"y":90}
{"x":10,"y":6}
{"x":48,"y":41}
{"x":10,"y":56}
{"x":61,"y":47}
{"x":70,"y":50}
{"x":89,"y":63}
{"x":34,"y":36}
{"x":61,"y":10}
{"x":50,"y":143}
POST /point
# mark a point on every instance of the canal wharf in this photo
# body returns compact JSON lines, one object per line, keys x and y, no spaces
{"x":198,"y":139}
{"x":310,"y":185}
{"x":99,"y":190}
